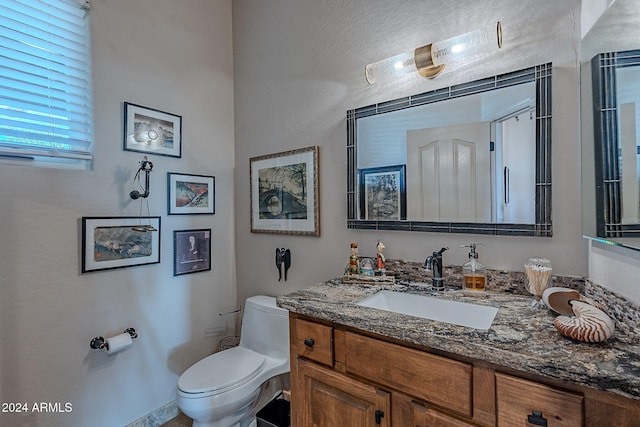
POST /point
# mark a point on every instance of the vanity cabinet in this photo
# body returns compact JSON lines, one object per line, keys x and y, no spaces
{"x":344,"y":377}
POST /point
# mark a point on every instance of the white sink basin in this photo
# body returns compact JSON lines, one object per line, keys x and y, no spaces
{"x":433,"y":308}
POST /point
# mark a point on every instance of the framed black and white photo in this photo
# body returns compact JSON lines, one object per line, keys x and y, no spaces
{"x":284,"y":193}
{"x":190,"y":194}
{"x":117,"y":242}
{"x":191,"y":251}
{"x":383,"y":193}
{"x":151,"y":131}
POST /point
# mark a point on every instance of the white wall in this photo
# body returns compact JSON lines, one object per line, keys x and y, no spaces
{"x":299,"y":66}
{"x":169,"y":55}
{"x":617,"y":268}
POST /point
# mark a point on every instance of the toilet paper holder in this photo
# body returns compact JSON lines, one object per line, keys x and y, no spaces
{"x":99,"y":343}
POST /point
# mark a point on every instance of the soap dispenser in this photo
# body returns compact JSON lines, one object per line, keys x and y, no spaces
{"x":475,"y":273}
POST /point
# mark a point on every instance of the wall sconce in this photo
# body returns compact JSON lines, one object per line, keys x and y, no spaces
{"x":429,"y":61}
{"x":145,"y":168}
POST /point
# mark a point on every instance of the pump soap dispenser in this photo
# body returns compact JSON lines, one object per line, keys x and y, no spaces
{"x":475,"y":273}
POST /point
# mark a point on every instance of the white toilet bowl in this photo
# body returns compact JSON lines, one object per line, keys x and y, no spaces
{"x":221,"y":390}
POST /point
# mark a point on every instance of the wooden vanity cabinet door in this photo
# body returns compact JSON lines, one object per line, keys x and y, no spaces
{"x":518,"y":399}
{"x":428,"y":417}
{"x":314,"y":341}
{"x":335,"y":400}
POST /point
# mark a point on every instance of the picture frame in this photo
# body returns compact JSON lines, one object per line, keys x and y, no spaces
{"x":151,"y":131}
{"x":383,"y":193}
{"x":118,"y":242}
{"x":189,"y":194}
{"x":285,"y":192}
{"x":191,"y":251}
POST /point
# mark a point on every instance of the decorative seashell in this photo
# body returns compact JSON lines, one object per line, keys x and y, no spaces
{"x":593,"y":303}
{"x":590,"y":324}
{"x":559,"y":299}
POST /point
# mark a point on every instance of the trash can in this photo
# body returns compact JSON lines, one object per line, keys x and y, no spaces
{"x":276,"y":413}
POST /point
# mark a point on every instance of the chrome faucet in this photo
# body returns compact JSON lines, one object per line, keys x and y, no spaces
{"x":434,"y":263}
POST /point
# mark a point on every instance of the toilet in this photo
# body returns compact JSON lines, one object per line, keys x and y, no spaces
{"x":222,"y":390}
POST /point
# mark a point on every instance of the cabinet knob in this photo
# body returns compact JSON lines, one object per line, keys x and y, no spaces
{"x":309,"y":342}
{"x":537,"y":419}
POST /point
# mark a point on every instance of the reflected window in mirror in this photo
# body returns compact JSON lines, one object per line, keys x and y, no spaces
{"x":616,"y":109}
{"x":471,"y":158}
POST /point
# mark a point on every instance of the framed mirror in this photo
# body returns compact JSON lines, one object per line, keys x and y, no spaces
{"x":610,"y":92}
{"x":472,"y":158}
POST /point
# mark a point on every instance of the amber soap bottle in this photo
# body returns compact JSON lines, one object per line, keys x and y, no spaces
{"x":474,"y":272}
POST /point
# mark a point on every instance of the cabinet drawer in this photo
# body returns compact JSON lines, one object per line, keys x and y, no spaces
{"x":314,"y":341}
{"x":427,"y":417}
{"x":527,"y":403}
{"x":443,"y":382}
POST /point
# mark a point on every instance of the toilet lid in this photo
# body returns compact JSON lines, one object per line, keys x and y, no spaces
{"x":221,"y":370}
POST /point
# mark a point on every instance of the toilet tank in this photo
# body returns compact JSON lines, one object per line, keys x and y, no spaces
{"x":265,"y":327}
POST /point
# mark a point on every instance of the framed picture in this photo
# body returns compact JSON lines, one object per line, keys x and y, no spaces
{"x":191,"y":194}
{"x":191,"y":251}
{"x":284,"y":193}
{"x":151,"y":131}
{"x":116,"y":242}
{"x":383,"y":193}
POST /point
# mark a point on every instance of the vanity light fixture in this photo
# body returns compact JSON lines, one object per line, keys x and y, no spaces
{"x":429,"y":61}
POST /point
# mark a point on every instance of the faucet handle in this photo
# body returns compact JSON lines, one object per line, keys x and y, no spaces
{"x":436,"y":253}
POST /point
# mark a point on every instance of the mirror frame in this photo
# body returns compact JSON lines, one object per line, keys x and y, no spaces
{"x":608,"y":175}
{"x":541,"y":75}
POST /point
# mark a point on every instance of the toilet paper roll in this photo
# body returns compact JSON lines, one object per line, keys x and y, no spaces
{"x":118,"y":343}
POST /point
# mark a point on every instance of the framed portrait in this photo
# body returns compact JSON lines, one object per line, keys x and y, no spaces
{"x":191,"y":194}
{"x":151,"y":131}
{"x":383,"y":193}
{"x":191,"y":251}
{"x":117,"y":242}
{"x":284,"y":193}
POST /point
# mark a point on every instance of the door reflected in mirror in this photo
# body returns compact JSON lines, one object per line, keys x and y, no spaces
{"x":473,"y":158}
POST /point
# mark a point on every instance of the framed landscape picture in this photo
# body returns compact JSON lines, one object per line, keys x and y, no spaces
{"x":191,"y":251}
{"x":191,"y":194}
{"x":284,"y":193}
{"x":383,"y":193}
{"x":117,"y":242}
{"x":151,"y":131}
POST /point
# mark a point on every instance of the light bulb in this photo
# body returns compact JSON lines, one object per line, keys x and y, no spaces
{"x":467,"y":45}
{"x":390,"y":68}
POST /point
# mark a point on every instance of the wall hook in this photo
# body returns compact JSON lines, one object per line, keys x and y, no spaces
{"x":283,"y":258}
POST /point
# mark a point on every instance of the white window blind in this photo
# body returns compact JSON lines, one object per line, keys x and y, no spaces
{"x":45,"y":79}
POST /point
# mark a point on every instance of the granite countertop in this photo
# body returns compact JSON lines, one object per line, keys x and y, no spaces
{"x":521,"y":337}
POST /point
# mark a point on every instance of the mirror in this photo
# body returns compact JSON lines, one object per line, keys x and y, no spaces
{"x":610,"y":92}
{"x":471,"y":158}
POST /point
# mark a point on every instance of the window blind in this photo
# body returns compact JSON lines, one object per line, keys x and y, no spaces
{"x":45,"y":79}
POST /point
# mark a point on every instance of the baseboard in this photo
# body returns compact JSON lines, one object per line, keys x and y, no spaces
{"x":157,"y":417}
